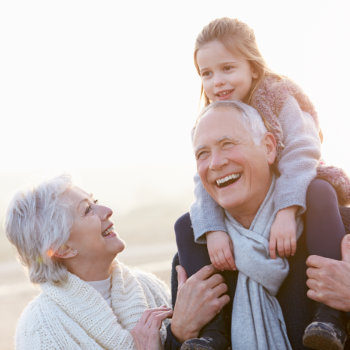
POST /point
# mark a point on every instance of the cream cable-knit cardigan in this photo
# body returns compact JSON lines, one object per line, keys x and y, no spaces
{"x":73,"y":315}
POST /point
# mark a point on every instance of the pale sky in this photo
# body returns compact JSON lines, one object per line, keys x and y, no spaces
{"x":111,"y":84}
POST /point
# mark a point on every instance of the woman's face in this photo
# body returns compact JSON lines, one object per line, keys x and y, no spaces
{"x":92,"y":234}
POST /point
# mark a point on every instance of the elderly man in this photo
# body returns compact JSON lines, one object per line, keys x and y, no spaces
{"x":235,"y":157}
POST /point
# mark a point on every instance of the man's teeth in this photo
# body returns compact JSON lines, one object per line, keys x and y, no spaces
{"x":227,"y":180}
{"x":107,"y":232}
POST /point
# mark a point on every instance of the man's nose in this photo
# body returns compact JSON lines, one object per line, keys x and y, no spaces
{"x":218,"y":160}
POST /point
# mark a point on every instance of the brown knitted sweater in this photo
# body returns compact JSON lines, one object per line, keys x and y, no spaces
{"x":269,"y":98}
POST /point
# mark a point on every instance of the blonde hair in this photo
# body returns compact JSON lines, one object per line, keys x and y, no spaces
{"x":237,"y":37}
{"x":38,"y":222}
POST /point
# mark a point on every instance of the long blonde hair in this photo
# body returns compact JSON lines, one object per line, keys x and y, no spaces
{"x":239,"y":38}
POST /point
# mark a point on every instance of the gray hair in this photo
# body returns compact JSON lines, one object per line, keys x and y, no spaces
{"x":250,"y":117}
{"x":38,"y":222}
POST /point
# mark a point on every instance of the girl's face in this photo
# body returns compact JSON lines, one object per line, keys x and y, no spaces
{"x":225,"y":76}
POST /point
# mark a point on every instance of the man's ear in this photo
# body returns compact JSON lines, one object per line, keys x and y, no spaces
{"x":270,"y":147}
{"x":65,"y":252}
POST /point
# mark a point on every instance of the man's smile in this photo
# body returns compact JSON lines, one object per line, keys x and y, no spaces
{"x":228,"y":180}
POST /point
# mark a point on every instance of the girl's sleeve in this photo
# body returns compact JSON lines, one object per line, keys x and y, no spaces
{"x":206,"y":214}
{"x":299,"y":158}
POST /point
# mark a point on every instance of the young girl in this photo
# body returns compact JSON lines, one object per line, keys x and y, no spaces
{"x":231,"y":68}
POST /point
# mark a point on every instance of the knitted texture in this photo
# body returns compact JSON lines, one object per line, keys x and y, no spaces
{"x":73,"y":315}
{"x":269,"y":98}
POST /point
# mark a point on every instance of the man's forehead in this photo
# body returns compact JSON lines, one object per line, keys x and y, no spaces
{"x":218,"y":124}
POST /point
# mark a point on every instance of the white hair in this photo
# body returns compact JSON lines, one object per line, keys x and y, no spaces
{"x":249,"y":117}
{"x":38,"y":221}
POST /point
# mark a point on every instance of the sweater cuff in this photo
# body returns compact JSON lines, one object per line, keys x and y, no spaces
{"x":171,"y":343}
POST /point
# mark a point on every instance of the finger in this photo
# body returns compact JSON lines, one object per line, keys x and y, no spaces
{"x":345,"y":248}
{"x":316,"y":261}
{"x":220,"y":289}
{"x":205,"y":272}
{"x":222,"y":260}
{"x":272,"y":247}
{"x":311,"y":272}
{"x":287,"y":248}
{"x":280,"y":247}
{"x":230,"y":263}
{"x":214,"y":281}
{"x":293,"y":245}
{"x":157,"y":317}
{"x":181,"y":275}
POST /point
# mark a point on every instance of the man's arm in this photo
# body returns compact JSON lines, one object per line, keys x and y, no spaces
{"x":199,"y":299}
{"x":329,"y":280}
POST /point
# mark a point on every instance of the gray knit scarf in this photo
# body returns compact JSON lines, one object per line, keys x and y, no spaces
{"x":257,"y":320}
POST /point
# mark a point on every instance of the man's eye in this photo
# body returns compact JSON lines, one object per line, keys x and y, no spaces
{"x":202,"y":155}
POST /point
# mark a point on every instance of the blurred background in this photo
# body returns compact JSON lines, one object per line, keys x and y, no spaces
{"x":107,"y":91}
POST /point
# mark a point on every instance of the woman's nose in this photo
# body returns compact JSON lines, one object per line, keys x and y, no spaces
{"x":104,"y":212}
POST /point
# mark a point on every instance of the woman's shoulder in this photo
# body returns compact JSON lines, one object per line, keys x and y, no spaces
{"x":31,"y":318}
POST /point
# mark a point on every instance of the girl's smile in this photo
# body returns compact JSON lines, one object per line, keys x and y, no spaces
{"x":225,"y":76}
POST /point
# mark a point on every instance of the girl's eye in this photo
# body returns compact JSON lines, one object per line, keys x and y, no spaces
{"x":228,"y":68}
{"x":205,"y":74}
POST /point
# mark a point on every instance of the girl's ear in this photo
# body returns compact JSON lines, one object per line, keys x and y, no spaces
{"x":270,"y":147}
{"x":65,"y":252}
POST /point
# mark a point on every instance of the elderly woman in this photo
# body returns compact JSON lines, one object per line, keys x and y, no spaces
{"x":90,"y":300}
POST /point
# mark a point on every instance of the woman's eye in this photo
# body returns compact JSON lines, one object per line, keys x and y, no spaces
{"x":88,"y":209}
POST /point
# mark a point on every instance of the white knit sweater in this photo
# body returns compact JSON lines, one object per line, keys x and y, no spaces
{"x":73,"y":315}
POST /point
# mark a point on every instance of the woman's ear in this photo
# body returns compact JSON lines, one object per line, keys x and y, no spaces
{"x":270,"y":147}
{"x":65,"y":252}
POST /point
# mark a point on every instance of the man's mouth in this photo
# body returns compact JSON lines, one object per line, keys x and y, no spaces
{"x":107,"y":232}
{"x":228,"y":180}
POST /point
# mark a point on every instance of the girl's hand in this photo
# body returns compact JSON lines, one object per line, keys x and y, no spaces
{"x":146,"y":332}
{"x":283,"y":233}
{"x":220,"y":248}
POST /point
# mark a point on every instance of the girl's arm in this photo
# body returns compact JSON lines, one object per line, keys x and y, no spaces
{"x":299,"y":158}
{"x":297,"y":167}
{"x":206,"y":214}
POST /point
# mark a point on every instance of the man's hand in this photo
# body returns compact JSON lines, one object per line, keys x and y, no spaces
{"x":220,"y":249}
{"x":199,"y":299}
{"x":283,"y":233}
{"x":146,"y":331}
{"x":329,"y":280}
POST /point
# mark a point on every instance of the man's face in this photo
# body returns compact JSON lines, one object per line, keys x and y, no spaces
{"x":233,"y":169}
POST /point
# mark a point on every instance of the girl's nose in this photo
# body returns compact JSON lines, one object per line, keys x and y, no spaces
{"x":219,"y":80}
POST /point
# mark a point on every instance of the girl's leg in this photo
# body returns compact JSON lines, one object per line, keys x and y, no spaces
{"x":193,"y":256}
{"x":324,"y":227}
{"x":324,"y":230}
